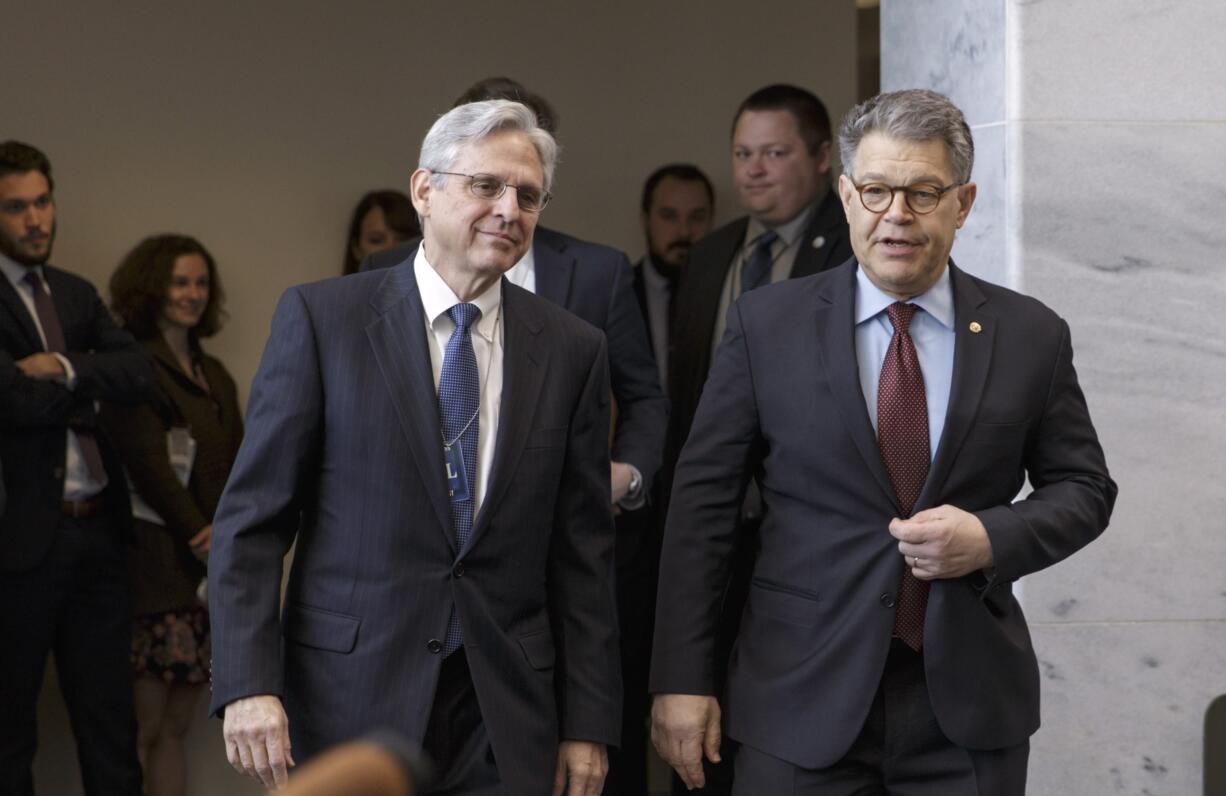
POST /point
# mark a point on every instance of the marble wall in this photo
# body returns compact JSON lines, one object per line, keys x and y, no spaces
{"x":1103,"y":128}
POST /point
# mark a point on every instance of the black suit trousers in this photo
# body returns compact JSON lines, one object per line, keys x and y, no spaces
{"x":901,"y":751}
{"x":75,"y":605}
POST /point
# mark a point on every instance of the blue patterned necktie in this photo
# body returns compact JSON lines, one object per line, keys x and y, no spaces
{"x":459,"y":401}
{"x":757,"y":268}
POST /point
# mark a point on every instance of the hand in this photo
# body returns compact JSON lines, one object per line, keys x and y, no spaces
{"x":582,"y":766}
{"x":257,"y":739}
{"x":947,"y":541}
{"x":619,"y":477}
{"x":42,"y":365}
{"x":200,"y":543}
{"x":683,"y":727}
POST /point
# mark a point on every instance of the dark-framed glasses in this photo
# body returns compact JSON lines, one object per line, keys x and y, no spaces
{"x":486,"y":186}
{"x":921,"y":198}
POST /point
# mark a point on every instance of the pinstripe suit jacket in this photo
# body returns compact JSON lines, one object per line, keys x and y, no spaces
{"x":343,"y":455}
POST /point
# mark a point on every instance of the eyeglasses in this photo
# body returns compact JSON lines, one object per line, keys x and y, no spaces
{"x":922,"y":199}
{"x":487,"y":186}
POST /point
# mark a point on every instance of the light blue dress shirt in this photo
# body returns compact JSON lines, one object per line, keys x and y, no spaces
{"x":932,"y":330}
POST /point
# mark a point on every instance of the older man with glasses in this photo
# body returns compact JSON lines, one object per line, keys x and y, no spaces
{"x":890,"y":410}
{"x":436,"y":441}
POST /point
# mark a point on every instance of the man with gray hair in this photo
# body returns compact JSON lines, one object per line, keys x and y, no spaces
{"x":436,"y":441}
{"x":890,"y":410}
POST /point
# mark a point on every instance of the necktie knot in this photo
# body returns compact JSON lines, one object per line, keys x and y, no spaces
{"x":766,"y":240}
{"x":900,"y":315}
{"x":756,"y":270}
{"x":33,"y":279}
{"x":464,"y":316}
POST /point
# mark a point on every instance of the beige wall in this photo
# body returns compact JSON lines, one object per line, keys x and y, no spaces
{"x":256,"y":126}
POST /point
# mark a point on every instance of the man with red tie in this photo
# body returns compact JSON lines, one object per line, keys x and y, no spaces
{"x":63,"y":576}
{"x":890,"y":411}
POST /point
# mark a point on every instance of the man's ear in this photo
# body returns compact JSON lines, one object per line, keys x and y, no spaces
{"x":421,"y":191}
{"x":825,"y":157}
{"x":966,"y":198}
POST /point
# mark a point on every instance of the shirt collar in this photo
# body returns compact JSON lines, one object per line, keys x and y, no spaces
{"x":524,"y":269}
{"x":16,"y":272}
{"x":651,"y":277}
{"x":437,"y":297}
{"x":937,"y":301}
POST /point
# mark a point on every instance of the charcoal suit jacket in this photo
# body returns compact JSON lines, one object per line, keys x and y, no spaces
{"x":783,"y":405}
{"x":343,"y":454}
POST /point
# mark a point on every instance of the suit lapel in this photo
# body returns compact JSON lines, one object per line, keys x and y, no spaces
{"x":818,"y":243}
{"x":17,"y":308}
{"x":837,"y":347}
{"x":398,"y":338}
{"x":524,"y":362}
{"x":972,"y":359}
{"x":554,"y":268}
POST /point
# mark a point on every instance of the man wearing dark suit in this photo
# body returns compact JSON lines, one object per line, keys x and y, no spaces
{"x":890,"y":411}
{"x":435,"y":439}
{"x":63,"y":576}
{"x":781,"y":160}
{"x":594,"y":282}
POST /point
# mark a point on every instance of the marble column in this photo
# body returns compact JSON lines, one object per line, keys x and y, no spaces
{"x":1100,"y":129}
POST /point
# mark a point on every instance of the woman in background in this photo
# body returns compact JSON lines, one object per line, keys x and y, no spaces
{"x":381,"y":220}
{"x":178,"y":451}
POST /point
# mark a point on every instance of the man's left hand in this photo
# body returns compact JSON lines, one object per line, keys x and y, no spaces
{"x":42,"y":365}
{"x":943,"y":542}
{"x":582,"y":766}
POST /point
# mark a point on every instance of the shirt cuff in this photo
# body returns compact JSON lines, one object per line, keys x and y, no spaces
{"x":70,"y":376}
{"x":636,"y":498}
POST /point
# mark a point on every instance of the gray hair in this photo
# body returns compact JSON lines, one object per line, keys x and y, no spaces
{"x":468,"y":124}
{"x":912,"y":115}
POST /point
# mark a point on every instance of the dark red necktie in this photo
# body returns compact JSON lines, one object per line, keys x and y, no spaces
{"x":49,"y":319}
{"x":902,"y":436}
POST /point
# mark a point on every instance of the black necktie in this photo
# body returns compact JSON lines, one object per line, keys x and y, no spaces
{"x":756,"y":271}
{"x":49,"y":319}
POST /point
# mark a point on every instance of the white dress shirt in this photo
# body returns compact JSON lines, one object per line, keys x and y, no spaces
{"x":436,"y":299}
{"x":78,"y":485}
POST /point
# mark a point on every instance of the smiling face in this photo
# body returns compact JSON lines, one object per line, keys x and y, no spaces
{"x":775,"y":175}
{"x":27,"y":217}
{"x":472,"y":241}
{"x":902,"y":252}
{"x":187,"y":295}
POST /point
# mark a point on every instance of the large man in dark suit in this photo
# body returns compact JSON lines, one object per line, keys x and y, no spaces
{"x":890,"y":410}
{"x":781,"y":161}
{"x":63,"y":575}
{"x":436,"y":441}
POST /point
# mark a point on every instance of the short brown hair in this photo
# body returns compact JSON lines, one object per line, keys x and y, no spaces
{"x":140,"y":283}
{"x":810,"y":113}
{"x":19,"y":158}
{"x":504,"y":88}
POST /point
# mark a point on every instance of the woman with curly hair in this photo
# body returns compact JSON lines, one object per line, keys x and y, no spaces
{"x":178,"y":450}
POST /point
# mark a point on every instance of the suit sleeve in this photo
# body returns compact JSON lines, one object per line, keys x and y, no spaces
{"x":257,"y":519}
{"x":641,"y":406}
{"x":581,"y":575}
{"x":1073,"y":493}
{"x":708,"y":488}
{"x":139,"y":436}
{"x":114,"y":369}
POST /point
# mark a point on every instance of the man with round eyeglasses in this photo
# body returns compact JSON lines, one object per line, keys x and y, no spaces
{"x":890,"y":411}
{"x":435,"y":441}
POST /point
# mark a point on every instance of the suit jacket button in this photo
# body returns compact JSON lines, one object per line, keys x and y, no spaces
{"x":434,"y":645}
{"x":458,"y":569}
{"x":887,"y":600}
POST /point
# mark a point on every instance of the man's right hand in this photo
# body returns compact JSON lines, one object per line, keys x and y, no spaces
{"x":683,"y":728}
{"x":257,"y":739}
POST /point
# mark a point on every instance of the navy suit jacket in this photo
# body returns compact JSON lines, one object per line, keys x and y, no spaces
{"x":35,"y":413}
{"x":783,"y":405}
{"x":596,"y":283}
{"x":343,"y":454}
{"x":698,"y":299}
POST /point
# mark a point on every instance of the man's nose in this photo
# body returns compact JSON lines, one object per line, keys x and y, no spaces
{"x":899,"y":212}
{"x":507,"y":205}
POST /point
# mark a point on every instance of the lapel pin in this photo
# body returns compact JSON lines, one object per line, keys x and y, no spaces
{"x":819,"y":241}
{"x":975,"y":327}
